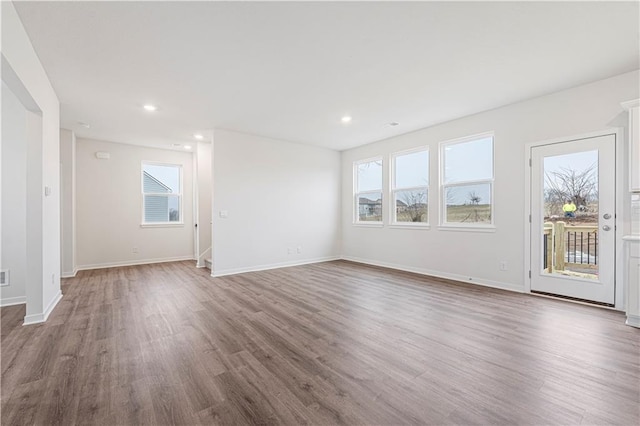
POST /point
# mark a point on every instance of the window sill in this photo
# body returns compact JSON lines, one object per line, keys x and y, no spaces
{"x":162,"y":225}
{"x":369,"y":224}
{"x":424,"y":226}
{"x":463,"y":228}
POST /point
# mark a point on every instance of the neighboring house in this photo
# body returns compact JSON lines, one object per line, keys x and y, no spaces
{"x":369,"y":208}
{"x":156,"y":207}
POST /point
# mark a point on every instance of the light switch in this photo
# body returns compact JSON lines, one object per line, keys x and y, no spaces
{"x":224,"y":214}
{"x":47,"y":191}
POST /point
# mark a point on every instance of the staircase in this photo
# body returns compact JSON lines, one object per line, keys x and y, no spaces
{"x":205,"y":259}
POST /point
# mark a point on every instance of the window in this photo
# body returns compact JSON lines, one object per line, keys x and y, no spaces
{"x":368,"y":190}
{"x":467,"y":181}
{"x":161,"y":193}
{"x":410,"y":187}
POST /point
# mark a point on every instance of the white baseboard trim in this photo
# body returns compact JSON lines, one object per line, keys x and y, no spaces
{"x":38,"y":318}
{"x":235,"y":271}
{"x":633,"y":320}
{"x":132,"y":263}
{"x":69,"y":274}
{"x":438,"y":274}
{"x":11,"y":301}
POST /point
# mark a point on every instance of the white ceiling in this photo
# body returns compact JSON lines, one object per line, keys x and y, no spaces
{"x":292,"y":70}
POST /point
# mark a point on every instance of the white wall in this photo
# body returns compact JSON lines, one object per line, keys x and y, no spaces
{"x":24,"y":74}
{"x":474,"y":255}
{"x":68,"y":202}
{"x":109,"y":207}
{"x":278,"y":196}
{"x":14,"y":198}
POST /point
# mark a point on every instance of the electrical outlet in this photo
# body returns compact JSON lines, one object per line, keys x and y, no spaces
{"x":503,"y":265}
{"x":134,"y":250}
{"x":289,"y":250}
{"x":299,"y":250}
{"x":53,"y":278}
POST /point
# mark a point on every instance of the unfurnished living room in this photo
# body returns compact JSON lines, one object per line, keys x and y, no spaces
{"x":320,"y":213}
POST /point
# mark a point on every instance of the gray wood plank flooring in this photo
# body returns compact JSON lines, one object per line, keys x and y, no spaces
{"x":323,"y":344}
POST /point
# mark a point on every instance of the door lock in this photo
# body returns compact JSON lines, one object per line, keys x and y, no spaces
{"x":606,"y":228}
{"x":606,"y":216}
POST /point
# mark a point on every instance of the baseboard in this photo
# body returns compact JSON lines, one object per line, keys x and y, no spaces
{"x":10,"y":301}
{"x":438,"y":274}
{"x":235,"y":271}
{"x":39,"y":318}
{"x":132,"y":263}
{"x":69,"y":274}
{"x":633,"y":320}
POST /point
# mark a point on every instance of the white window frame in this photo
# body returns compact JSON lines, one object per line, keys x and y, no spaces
{"x":394,"y":188}
{"x":356,"y":194}
{"x":180,"y":195}
{"x":458,"y":226}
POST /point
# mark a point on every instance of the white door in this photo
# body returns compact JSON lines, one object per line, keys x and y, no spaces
{"x":573,"y":219}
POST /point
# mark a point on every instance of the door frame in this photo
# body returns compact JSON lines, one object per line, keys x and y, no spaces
{"x":620,"y":218}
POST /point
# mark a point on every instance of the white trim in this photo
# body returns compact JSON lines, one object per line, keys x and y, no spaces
{"x":622,"y":190}
{"x":133,"y":263}
{"x":621,"y":217}
{"x":368,"y":160}
{"x":11,"y":301}
{"x":469,"y":138}
{"x":633,"y":320}
{"x":195,"y":204}
{"x":467,"y":228}
{"x":69,"y":274}
{"x":38,"y":318}
{"x":410,"y":225}
{"x":370,"y":224}
{"x":258,"y":268}
{"x":438,"y":274}
{"x":162,"y":225}
{"x":627,"y":105}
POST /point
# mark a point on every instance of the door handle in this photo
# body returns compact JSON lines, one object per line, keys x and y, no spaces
{"x":606,"y":228}
{"x":606,"y":216}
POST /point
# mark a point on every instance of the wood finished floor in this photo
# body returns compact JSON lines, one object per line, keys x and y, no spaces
{"x":330,"y":343}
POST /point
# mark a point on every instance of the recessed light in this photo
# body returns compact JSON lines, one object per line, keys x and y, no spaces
{"x":346,"y":119}
{"x":187,"y":147}
{"x":198,"y":136}
{"x":394,"y":123}
{"x":176,"y":145}
{"x":150,"y":107}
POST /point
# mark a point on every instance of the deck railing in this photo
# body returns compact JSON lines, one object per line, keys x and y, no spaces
{"x":567,"y":245}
